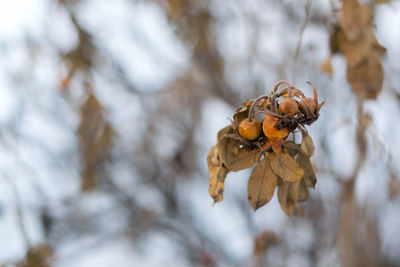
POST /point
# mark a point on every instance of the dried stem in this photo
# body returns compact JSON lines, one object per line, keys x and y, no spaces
{"x":276,"y":86}
{"x":315,"y":93}
{"x":303,"y":27}
{"x":253,"y":105}
{"x":273,"y":103}
{"x":296,"y":91}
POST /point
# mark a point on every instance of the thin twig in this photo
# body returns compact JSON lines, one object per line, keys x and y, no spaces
{"x":303,"y":27}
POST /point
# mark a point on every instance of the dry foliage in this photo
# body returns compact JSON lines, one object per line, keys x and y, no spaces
{"x":278,"y":163}
{"x":354,"y":38}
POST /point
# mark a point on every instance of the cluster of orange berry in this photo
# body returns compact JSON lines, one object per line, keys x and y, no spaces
{"x":281,"y":117}
{"x":257,"y":136}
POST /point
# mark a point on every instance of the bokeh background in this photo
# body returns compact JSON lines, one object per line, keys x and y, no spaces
{"x":108,"y":110}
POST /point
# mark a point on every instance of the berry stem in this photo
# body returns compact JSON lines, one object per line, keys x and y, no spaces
{"x":276,"y":86}
{"x":253,"y":105}
{"x":315,"y":94}
{"x":320,"y":106}
{"x":309,"y":112}
{"x":296,"y":92}
{"x":273,"y":103}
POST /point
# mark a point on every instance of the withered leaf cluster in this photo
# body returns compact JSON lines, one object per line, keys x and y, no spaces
{"x":278,"y":163}
{"x":354,"y":38}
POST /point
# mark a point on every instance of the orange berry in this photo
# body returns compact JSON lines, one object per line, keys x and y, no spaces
{"x":309,"y":103}
{"x":271,"y":132}
{"x":288,"y":107}
{"x":250,"y":130}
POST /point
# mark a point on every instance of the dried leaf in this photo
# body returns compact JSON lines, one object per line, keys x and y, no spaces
{"x":242,"y":112}
{"x":326,"y":67}
{"x":263,"y":241}
{"x":96,"y":140}
{"x":303,"y":191}
{"x":309,"y":177}
{"x":377,"y":47}
{"x":234,"y":157}
{"x":261,"y":185}
{"x":354,"y":17}
{"x":226,"y":130}
{"x":237,"y":159}
{"x":333,"y":39}
{"x":356,"y":40}
{"x":366,"y":78}
{"x":175,"y":8}
{"x":288,"y":196}
{"x":307,"y":144}
{"x":223,"y":171}
{"x":38,"y":256}
{"x":216,"y":187}
{"x":355,"y":50}
{"x":286,"y":167}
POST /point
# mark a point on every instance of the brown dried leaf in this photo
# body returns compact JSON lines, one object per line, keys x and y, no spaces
{"x":234,"y":157}
{"x":307,"y":144}
{"x":286,"y":167}
{"x":222,"y":173}
{"x":217,"y":175}
{"x":333,"y":39}
{"x":303,"y":191}
{"x":354,"y":18}
{"x":237,"y":159}
{"x":213,"y":158}
{"x":96,"y":140}
{"x":377,"y":47}
{"x":226,"y":130}
{"x":288,"y":196}
{"x":38,"y":256}
{"x":261,"y":185}
{"x":326,"y":67}
{"x":175,"y":8}
{"x":242,"y":112}
{"x":356,"y":50}
{"x":366,"y":78}
{"x":263,"y":241}
{"x":309,"y":177}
